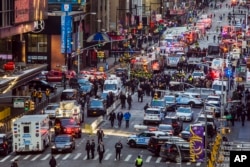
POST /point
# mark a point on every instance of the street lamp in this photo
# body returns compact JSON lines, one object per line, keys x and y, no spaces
{"x":79,"y":39}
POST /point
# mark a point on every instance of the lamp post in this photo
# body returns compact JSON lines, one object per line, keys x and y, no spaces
{"x":79,"y":39}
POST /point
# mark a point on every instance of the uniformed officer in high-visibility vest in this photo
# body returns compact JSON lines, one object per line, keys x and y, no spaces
{"x":34,"y":95}
{"x":156,"y":96}
{"x":39,"y":96}
{"x":138,"y":161}
{"x":47,"y":93}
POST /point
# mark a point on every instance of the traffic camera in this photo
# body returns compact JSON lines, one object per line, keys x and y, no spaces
{"x":31,"y":105}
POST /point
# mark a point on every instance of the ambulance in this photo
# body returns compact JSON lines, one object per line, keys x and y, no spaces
{"x":113,"y":84}
{"x":31,"y":133}
{"x":70,"y":109}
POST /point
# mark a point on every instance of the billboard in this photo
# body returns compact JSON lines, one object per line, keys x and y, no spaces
{"x":66,"y":36}
{"x":30,"y":10}
{"x":197,"y":152}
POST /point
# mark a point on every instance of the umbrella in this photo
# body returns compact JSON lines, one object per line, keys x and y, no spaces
{"x":99,"y":37}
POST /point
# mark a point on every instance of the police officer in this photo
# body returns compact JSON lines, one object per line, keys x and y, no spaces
{"x":138,"y":161}
{"x":88,"y":148}
{"x":47,"y":93}
{"x":100,"y":150}
{"x":119,"y":118}
{"x":100,"y":135}
{"x":92,"y":149}
{"x":39,"y":96}
{"x":118,"y":148}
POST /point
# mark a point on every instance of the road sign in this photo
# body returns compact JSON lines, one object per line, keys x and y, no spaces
{"x":18,"y":102}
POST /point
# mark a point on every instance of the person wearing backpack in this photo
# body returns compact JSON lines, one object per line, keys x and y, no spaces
{"x":52,"y":161}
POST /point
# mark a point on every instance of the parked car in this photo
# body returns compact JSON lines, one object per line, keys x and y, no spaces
{"x":185,"y":134}
{"x":155,"y":142}
{"x":166,"y":128}
{"x":175,"y":151}
{"x":6,"y":144}
{"x":85,"y":87}
{"x":170,"y":102}
{"x":96,"y":107}
{"x":191,"y":99}
{"x":70,"y":94}
{"x":185,"y":114}
{"x":203,"y":92}
{"x":63,"y":143}
{"x":43,"y":85}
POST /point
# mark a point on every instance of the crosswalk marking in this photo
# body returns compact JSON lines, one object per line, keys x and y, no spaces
{"x":85,"y":157}
{"x":96,"y":157}
{"x":128,"y":157}
{"x":107,"y":156}
{"x":77,"y":155}
{"x":188,"y":163}
{"x":66,"y":156}
{"x":5,"y":158}
{"x":46,"y":157}
{"x":198,"y":164}
{"x":57,"y":156}
{"x":27,"y":157}
{"x":33,"y":159}
{"x":148,"y":159}
{"x":16,"y":157}
{"x":158,"y":160}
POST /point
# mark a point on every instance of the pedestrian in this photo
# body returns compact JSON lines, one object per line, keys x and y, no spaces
{"x":138,"y":161}
{"x":119,"y":118}
{"x":118,"y":149}
{"x":88,"y":148}
{"x":39,"y":96}
{"x":100,"y":150}
{"x":92,"y":148}
{"x":14,"y":164}
{"x":214,"y":38}
{"x":243,"y":117}
{"x":47,"y":93}
{"x":129,"y":101}
{"x":233,"y":114}
{"x":127,"y":116}
{"x":100,"y":135}
{"x":207,"y":37}
{"x":140,"y":95}
{"x":52,"y":161}
{"x":112,"y":118}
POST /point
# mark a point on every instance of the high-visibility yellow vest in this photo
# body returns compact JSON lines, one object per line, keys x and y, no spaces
{"x":39,"y":94}
{"x":138,"y":161}
{"x":34,"y":93}
{"x":47,"y":92}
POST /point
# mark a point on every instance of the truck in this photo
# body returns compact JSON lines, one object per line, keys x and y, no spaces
{"x":31,"y":133}
{"x":70,"y":109}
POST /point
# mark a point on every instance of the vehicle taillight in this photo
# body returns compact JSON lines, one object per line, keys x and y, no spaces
{"x":4,"y":145}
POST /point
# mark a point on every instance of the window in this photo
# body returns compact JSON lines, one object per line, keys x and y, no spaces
{"x":26,"y":129}
{"x":37,"y":43}
{"x":6,"y":13}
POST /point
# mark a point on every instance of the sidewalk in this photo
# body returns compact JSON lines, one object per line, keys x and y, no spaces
{"x":239,"y":132}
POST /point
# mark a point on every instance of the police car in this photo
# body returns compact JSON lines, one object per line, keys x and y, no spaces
{"x":198,"y":74}
{"x":142,"y":139}
{"x":187,"y":98}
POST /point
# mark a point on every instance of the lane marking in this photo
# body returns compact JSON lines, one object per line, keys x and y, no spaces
{"x":148,"y":159}
{"x":57,"y":156}
{"x":46,"y":157}
{"x":128,"y":157}
{"x":26,"y":157}
{"x":66,"y":156}
{"x":5,"y":158}
{"x":35,"y":157}
{"x":97,"y":156}
{"x":107,"y":156}
{"x":198,"y":164}
{"x":85,"y":158}
{"x":77,"y":155}
{"x":16,"y":157}
{"x":158,"y":160}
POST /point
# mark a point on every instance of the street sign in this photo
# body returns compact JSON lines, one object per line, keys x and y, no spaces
{"x":66,"y":7}
{"x":18,"y":102}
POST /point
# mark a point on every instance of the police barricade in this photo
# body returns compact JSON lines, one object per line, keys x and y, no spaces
{"x":96,"y":123}
{"x":112,"y":107}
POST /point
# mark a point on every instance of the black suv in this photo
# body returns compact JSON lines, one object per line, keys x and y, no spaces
{"x":176,"y":151}
{"x":155,"y":143}
{"x":96,"y":107}
{"x":176,"y":124}
{"x":5,"y":144}
{"x":66,"y":125}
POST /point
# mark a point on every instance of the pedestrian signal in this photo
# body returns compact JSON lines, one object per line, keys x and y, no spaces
{"x":32,"y":106}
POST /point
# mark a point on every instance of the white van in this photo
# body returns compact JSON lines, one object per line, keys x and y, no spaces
{"x":219,"y":86}
{"x":112,"y":84}
{"x":153,"y":115}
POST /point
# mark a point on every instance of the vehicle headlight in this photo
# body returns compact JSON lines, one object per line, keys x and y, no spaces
{"x":53,"y":146}
{"x":67,"y":146}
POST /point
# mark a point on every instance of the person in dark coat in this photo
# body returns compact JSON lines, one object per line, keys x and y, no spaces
{"x":123,"y":100}
{"x":101,"y":151}
{"x":140,"y":95}
{"x":118,"y":149}
{"x":52,"y":162}
{"x":129,"y":101}
{"x":100,"y":135}
{"x":243,"y":117}
{"x":92,"y":149}
{"x":112,"y":118}
{"x":14,"y":164}
{"x":88,"y":148}
{"x":119,"y":118}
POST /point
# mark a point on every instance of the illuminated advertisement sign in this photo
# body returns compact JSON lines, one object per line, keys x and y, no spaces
{"x":197,"y":143}
{"x":67,"y":1}
{"x":30,"y":10}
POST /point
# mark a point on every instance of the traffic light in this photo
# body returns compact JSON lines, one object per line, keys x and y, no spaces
{"x":26,"y":105}
{"x":31,"y":105}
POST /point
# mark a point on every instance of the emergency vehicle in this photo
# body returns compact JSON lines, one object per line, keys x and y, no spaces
{"x":70,"y":109}
{"x":112,"y":84}
{"x":31,"y":133}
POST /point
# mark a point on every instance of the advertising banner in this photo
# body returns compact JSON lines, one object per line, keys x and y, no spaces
{"x":197,"y":143}
{"x":66,"y":36}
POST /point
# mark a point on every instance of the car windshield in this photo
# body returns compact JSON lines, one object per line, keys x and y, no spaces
{"x":213,"y":99}
{"x":119,"y":70}
{"x":198,"y":74}
{"x":62,"y":139}
{"x":44,"y":82}
{"x":68,"y":96}
{"x":52,"y":107}
{"x":65,"y":122}
{"x":169,"y":99}
{"x":110,"y":87}
{"x":203,"y":119}
{"x":83,"y":82}
{"x":184,"y":110}
{"x":104,"y":96}
{"x":213,"y":104}
{"x":165,"y":127}
{"x":219,"y":87}
{"x":152,"y":112}
{"x":157,"y":103}
{"x":96,"y":104}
